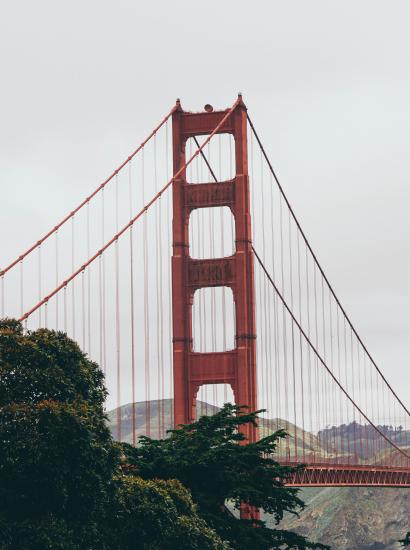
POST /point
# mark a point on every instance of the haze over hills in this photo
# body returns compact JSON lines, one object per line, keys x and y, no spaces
{"x":348,"y":518}
{"x":158,"y":414}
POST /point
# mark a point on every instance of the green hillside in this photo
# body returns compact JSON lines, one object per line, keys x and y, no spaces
{"x":159,"y":414}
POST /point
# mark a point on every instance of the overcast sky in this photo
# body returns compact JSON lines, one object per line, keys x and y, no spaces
{"x":327,"y":85}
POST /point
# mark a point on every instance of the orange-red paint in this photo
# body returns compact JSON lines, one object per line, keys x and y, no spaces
{"x":236,"y":367}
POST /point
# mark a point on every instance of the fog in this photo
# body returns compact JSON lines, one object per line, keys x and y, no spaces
{"x":326,"y":84}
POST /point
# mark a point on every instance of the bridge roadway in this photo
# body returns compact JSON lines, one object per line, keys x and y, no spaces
{"x":347,"y":475}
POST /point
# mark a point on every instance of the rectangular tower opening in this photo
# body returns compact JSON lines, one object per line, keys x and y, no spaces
{"x":217,"y":160}
{"x":213,"y":320}
{"x":211,"y":233}
{"x":211,"y":398}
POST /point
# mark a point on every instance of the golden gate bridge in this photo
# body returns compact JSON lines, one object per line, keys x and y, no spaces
{"x":187,"y":276}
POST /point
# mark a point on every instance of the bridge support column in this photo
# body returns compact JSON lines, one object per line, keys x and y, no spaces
{"x":236,"y":367}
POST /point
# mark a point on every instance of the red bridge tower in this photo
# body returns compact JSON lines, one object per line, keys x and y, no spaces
{"x":238,"y":366}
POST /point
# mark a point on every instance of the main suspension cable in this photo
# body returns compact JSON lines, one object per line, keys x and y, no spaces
{"x":315,"y":351}
{"x":145,"y":208}
{"x":320,"y":267}
{"x":91,"y":196}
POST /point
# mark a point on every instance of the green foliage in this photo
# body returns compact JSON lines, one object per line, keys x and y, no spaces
{"x":406,"y":540}
{"x":57,"y":458}
{"x":158,"y":514}
{"x":207,"y":457}
{"x":64,"y":484}
{"x":61,"y":486}
{"x":49,"y":532}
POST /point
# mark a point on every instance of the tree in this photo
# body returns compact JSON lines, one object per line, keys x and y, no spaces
{"x":62,"y":485}
{"x":406,"y":540}
{"x":206,"y":456}
{"x":57,"y":458}
{"x":154,"y":514}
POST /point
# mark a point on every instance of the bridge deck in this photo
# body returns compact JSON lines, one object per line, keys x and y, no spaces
{"x":344,"y":475}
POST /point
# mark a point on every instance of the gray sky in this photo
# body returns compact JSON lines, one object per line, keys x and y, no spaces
{"x":327,"y":85}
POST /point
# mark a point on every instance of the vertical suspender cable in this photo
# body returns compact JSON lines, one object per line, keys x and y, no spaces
{"x":311,"y":426}
{"x":21,"y":287}
{"x":2,"y":296}
{"x":132,"y":319}
{"x":285,"y":343}
{"x":379,"y":422}
{"x":88,"y":283}
{"x":367,"y":384}
{"x":100,"y":287}
{"x":319,"y":415}
{"x":326,"y":397}
{"x":213,"y":291}
{"x":192,"y":243}
{"x":372,"y":406}
{"x":169,"y":249}
{"x":100,"y":302}
{"x":232,"y":173}
{"x":83,"y":307}
{"x":197,"y":342}
{"x":258,"y":304}
{"x":264,"y":299}
{"x":161,"y":306}
{"x":271,"y":374}
{"x":56,"y":277}
{"x":275,"y":327}
{"x":39,"y":281}
{"x":347,"y":385}
{"x":284,"y":335}
{"x":146,"y":306}
{"x":360,"y":396}
{"x":302,"y":389}
{"x":366,"y":406}
{"x":223,"y":305}
{"x":259,"y":348}
{"x":117,"y":318}
{"x":158,"y":278}
{"x":65,"y":308}
{"x":199,"y":298}
{"x":293,"y":335}
{"x":204,"y":302}
{"x":353,"y":397}
{"x":104,"y":340}
{"x":332,"y":367}
{"x":72,"y":270}
{"x":340,"y":421}
{"x":157,"y":331}
{"x":270,"y":357}
{"x":161,"y":320}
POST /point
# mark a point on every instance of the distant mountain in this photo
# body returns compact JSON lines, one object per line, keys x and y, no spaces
{"x":158,"y":415}
{"x":346,"y":518}
{"x":354,"y":436}
{"x":152,"y":418}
